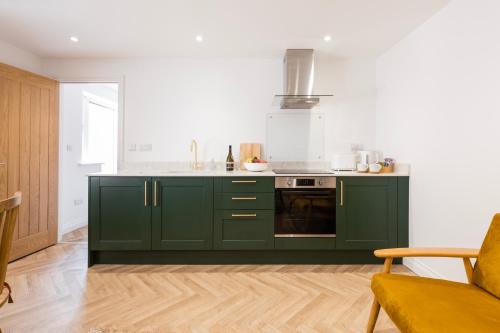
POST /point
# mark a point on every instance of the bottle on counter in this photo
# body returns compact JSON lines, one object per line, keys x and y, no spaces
{"x":230,"y":160}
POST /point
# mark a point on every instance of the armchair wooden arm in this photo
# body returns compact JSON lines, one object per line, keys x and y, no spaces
{"x":427,"y":252}
{"x":465,"y":254}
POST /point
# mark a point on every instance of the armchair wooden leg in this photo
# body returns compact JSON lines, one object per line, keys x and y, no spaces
{"x":373,"y":316}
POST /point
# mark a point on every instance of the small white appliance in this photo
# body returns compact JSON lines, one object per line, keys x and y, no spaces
{"x":344,"y":162}
{"x":368,"y":156}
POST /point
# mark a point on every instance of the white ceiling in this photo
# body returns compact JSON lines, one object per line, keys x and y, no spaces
{"x":248,"y":28}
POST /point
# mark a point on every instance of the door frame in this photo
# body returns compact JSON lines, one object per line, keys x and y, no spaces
{"x":120,"y":80}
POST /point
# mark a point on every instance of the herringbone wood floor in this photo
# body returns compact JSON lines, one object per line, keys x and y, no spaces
{"x":55,"y":292}
{"x":78,"y":235}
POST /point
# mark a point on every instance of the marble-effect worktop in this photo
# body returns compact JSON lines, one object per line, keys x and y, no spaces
{"x":401,"y":170}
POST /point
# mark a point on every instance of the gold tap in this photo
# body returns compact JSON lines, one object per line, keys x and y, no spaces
{"x":194,"y":145}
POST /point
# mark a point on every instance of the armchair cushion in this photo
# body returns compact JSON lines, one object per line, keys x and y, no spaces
{"x":487,"y":269}
{"x":418,"y":305}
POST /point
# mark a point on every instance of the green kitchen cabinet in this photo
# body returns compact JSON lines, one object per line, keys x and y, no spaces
{"x":367,"y":212}
{"x":182,"y":213}
{"x":244,"y":229}
{"x":119,"y":213}
{"x":230,"y":220}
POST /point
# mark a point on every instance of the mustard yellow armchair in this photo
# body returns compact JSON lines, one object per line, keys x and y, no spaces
{"x":424,"y":305}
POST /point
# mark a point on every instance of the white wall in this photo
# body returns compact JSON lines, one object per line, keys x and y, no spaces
{"x":167,"y":102}
{"x":73,"y":203}
{"x":438,"y":108}
{"x":14,"y":56}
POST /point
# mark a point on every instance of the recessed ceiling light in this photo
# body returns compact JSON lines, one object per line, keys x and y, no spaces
{"x":199,"y":38}
{"x":74,"y":39}
{"x":327,"y":38}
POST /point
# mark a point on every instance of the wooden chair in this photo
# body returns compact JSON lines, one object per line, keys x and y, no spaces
{"x":8,"y":216}
{"x":424,"y":305}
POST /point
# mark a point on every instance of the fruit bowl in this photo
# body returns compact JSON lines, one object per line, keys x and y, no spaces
{"x":256,"y":167}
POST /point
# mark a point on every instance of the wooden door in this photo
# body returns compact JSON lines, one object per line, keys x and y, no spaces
{"x":120,"y":213}
{"x":366,"y":212}
{"x":182,"y":213}
{"x":29,"y":131}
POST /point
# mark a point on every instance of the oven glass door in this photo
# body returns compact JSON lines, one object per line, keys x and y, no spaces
{"x":305,"y":213}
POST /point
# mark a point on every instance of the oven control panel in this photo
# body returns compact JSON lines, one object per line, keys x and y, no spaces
{"x":305,"y":182}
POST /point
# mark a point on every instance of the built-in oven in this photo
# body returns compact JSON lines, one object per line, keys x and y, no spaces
{"x":305,"y":207}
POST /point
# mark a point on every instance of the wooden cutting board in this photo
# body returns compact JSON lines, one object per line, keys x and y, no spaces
{"x":248,"y":150}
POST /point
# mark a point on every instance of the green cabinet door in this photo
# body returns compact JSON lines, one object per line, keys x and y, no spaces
{"x":366,"y":212}
{"x":244,"y":229}
{"x":119,"y":213}
{"x":182,"y":213}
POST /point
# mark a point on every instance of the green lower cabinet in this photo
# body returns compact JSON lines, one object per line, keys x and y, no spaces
{"x":119,"y":213}
{"x":244,"y":230}
{"x":182,"y":213}
{"x":367,"y":212}
{"x":231,"y":220}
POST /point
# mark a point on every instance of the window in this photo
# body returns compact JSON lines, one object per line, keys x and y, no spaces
{"x":99,"y":135}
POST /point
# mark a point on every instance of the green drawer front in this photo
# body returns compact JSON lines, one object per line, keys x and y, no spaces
{"x":303,"y":243}
{"x":244,"y":230}
{"x":245,"y":201}
{"x":247,"y":184}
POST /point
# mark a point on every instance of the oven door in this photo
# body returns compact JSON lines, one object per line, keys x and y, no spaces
{"x":305,"y":213}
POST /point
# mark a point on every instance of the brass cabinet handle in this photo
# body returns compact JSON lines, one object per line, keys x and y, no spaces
{"x":243,"y":198}
{"x":145,"y":193}
{"x":341,"y":193}
{"x":244,"y":181}
{"x":155,"y":200}
{"x":243,"y":215}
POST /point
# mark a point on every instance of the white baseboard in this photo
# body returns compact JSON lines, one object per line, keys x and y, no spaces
{"x":69,"y":226}
{"x":421,"y":269}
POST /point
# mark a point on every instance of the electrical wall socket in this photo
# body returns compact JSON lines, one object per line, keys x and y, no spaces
{"x":78,"y":202}
{"x":145,"y":147}
{"x":132,"y":147}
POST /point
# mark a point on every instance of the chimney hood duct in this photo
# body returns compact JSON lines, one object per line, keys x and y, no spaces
{"x":298,"y":80}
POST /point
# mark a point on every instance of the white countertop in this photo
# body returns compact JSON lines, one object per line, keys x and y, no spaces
{"x":401,"y":170}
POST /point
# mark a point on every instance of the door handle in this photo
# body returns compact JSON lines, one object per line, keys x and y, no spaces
{"x":155,"y":191}
{"x":341,"y":193}
{"x":145,"y":193}
{"x":244,"y":181}
{"x":244,"y":215}
{"x":243,"y":198}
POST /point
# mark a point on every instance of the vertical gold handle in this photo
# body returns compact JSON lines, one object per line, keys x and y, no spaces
{"x":341,"y":193}
{"x":145,"y":193}
{"x":155,"y":201}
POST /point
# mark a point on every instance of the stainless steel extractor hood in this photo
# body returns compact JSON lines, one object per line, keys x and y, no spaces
{"x":298,"y":84}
